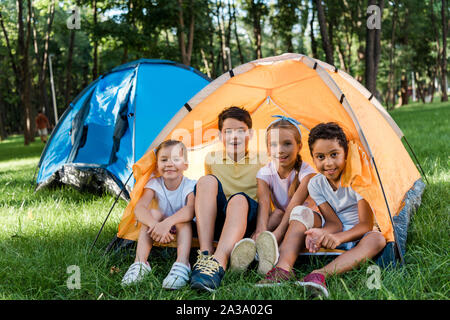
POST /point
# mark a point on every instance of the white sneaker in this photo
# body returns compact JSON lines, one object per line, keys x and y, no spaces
{"x":267,"y":248}
{"x":135,"y":273}
{"x":242,"y":255}
{"x":178,"y":276}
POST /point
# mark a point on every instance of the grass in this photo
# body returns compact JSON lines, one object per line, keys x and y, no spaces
{"x":43,"y":233}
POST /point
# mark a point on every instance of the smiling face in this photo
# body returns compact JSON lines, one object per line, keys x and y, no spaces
{"x":329,"y":157}
{"x":283,"y":147}
{"x":171,"y":162}
{"x":235,"y":136}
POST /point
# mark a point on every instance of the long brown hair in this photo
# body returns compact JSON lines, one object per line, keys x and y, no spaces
{"x":284,"y":124}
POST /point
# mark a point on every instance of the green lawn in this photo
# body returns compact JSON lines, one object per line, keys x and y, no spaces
{"x":43,"y":233}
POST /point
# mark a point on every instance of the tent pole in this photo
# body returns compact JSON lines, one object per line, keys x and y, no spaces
{"x":110,"y":210}
{"x":417,"y":160}
{"x":402,"y":261}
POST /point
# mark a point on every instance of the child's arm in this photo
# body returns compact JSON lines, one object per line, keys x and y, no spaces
{"x":263,"y":194}
{"x":365,"y":224}
{"x":333,"y":239}
{"x":161,"y":231}
{"x":298,"y":198}
{"x":321,"y":237}
{"x":141,"y":210}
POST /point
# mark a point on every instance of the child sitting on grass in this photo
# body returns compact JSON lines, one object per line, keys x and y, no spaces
{"x":353,"y":231}
{"x":283,"y":181}
{"x":175,"y":212}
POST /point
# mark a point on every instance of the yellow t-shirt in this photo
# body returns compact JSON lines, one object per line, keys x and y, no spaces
{"x":235,"y":176}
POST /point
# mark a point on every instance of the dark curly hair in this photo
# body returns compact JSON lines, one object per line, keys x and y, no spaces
{"x":328,"y":131}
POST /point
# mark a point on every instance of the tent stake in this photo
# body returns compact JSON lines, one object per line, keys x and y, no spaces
{"x":110,"y":210}
{"x":402,"y":261}
{"x":417,"y":160}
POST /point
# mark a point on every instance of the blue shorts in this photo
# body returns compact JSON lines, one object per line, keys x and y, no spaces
{"x":351,"y":244}
{"x":222,"y":203}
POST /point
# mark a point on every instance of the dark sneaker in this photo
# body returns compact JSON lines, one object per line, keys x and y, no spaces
{"x":207,"y":273}
{"x":275,"y":277}
{"x":315,"y":284}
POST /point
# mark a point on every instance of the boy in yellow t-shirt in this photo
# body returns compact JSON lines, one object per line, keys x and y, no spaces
{"x":225,"y":198}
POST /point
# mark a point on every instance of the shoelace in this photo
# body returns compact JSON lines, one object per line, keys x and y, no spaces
{"x":206,"y":264}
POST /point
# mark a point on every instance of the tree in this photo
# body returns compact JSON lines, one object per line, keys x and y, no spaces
{"x":256,"y":10}
{"x":373,"y":48}
{"x":444,"y":20}
{"x":186,"y":49}
{"x":326,"y":43}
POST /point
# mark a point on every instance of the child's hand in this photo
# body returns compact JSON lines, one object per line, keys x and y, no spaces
{"x":331,"y":241}
{"x":313,"y":240}
{"x":161,"y":232}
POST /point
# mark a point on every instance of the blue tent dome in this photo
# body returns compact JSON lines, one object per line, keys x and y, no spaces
{"x":113,"y":121}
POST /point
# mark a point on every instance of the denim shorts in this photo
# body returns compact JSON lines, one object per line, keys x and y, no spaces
{"x":351,"y":244}
{"x":222,"y":203}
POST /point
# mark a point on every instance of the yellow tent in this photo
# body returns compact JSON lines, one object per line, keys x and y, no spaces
{"x":312,"y":92}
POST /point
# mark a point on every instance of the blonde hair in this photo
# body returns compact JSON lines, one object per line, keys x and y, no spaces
{"x":284,"y":124}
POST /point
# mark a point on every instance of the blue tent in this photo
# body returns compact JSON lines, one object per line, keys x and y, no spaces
{"x":113,"y":121}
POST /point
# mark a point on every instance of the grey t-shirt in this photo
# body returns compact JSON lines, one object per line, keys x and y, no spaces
{"x":344,"y":201}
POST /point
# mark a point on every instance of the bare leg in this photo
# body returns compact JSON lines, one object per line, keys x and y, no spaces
{"x":184,"y":239}
{"x":274,"y":219}
{"x":144,"y":245}
{"x":206,"y":211}
{"x":145,"y":242}
{"x":367,"y":248}
{"x":233,"y":228}
{"x":293,"y":242}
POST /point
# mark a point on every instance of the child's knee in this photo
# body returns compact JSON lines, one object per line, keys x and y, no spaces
{"x":304,"y":215}
{"x":377,"y":240}
{"x":156,"y":214}
{"x":238,"y":201}
{"x":207,"y":182}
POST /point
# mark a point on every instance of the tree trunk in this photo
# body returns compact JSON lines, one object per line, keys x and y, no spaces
{"x":256,"y":19}
{"x":324,"y":33}
{"x":444,"y":96}
{"x":420,"y":89}
{"x":3,"y":134}
{"x":241,"y":56}
{"x":370,"y":57}
{"x":25,"y":80}
{"x":205,"y":63}
{"x":185,"y":52}
{"x":43,"y":98}
{"x":391,"y":90}
{"x":220,"y":23}
{"x":404,"y":89}
{"x":313,"y":38}
{"x":377,"y":46}
{"x":95,"y":56}
{"x":68,"y":91}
